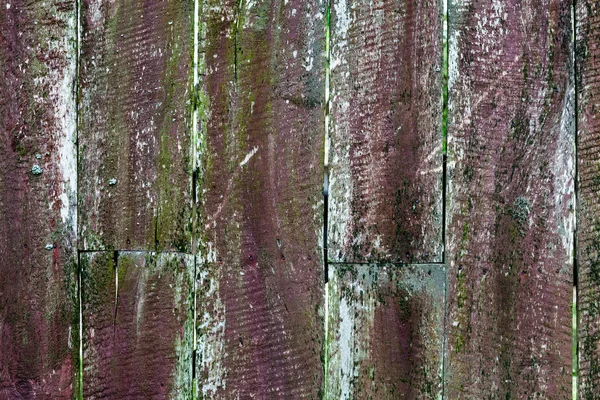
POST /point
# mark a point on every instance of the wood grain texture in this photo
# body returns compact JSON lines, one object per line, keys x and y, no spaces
{"x":588,"y":235}
{"x":135,"y":130}
{"x":138,"y":325}
{"x":386,"y":328}
{"x":385,"y":131}
{"x":38,"y":286}
{"x":260,"y":329}
{"x":511,"y":199}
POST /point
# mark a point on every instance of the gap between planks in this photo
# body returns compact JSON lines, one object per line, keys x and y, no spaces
{"x":326,"y":172}
{"x":444,"y":128}
{"x":326,"y":198}
{"x":444,"y":131}
{"x":575,"y":306}
{"x":79,"y":394}
{"x":195,"y":169}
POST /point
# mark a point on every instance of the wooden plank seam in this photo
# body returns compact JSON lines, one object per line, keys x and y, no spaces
{"x":575,"y":307}
{"x":79,"y":372}
{"x":326,"y":139}
{"x":326,"y":197}
{"x":332,"y":391}
{"x":196,"y":172}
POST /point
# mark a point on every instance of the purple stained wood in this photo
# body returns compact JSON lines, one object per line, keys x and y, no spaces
{"x":588,"y":235}
{"x":385,"y":132}
{"x":510,"y":200}
{"x":138,"y":325}
{"x":386,"y":330}
{"x":260,"y":318}
{"x":135,"y":133}
{"x":38,"y":286}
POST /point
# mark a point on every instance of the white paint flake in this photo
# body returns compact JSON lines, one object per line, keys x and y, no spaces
{"x":249,"y":156}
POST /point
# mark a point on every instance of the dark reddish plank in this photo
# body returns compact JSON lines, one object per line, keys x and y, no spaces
{"x":38,"y":286}
{"x":135,"y":130}
{"x":588,"y":161}
{"x":385,"y":131}
{"x":386,"y":329}
{"x":138,"y":325}
{"x":511,"y":200}
{"x":261,"y":331}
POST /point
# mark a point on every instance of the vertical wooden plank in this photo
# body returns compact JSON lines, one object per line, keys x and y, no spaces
{"x":511,"y":199}
{"x":386,"y":329}
{"x":385,"y":133}
{"x":135,"y":129}
{"x":138,"y":325}
{"x":38,"y":286}
{"x":588,"y":235}
{"x":260,"y":204}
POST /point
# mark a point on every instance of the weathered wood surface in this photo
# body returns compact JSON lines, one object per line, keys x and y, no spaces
{"x":511,"y":200}
{"x":386,"y":328}
{"x":385,"y":131}
{"x":135,"y":130}
{"x":260,"y":313}
{"x":138,"y":325}
{"x":38,"y":287}
{"x":588,"y":236}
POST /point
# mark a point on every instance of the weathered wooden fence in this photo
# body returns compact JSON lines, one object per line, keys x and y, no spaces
{"x":165,"y":231}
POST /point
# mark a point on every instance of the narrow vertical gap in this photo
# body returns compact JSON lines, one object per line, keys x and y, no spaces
{"x":326,"y":350}
{"x":326,"y":195}
{"x":444,"y":122}
{"x":116,"y":272}
{"x":575,"y":308}
{"x":325,"y":222}
{"x":156,"y":241}
{"x":77,"y":122}
{"x":195,"y":152}
{"x":80,"y":305}
{"x":195,"y":274}
{"x":445,"y":53}
{"x":326,"y":139}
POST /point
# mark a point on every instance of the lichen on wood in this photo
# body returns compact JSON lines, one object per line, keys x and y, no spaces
{"x":385,"y":157}
{"x":260,"y":173}
{"x":386,"y":330}
{"x":138,"y":325}
{"x":588,"y":235}
{"x":135,"y":137}
{"x":38,"y":286}
{"x":511,"y":175}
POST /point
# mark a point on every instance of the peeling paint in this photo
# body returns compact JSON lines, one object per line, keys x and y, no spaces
{"x":249,"y":156}
{"x":259,"y":331}
{"x":36,"y":170}
{"x":386,"y":331}
{"x":149,"y":323}
{"x":37,"y":254}
{"x":386,"y":95}
{"x":510,"y":200}
{"x":211,"y":336}
{"x":136,"y":77}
